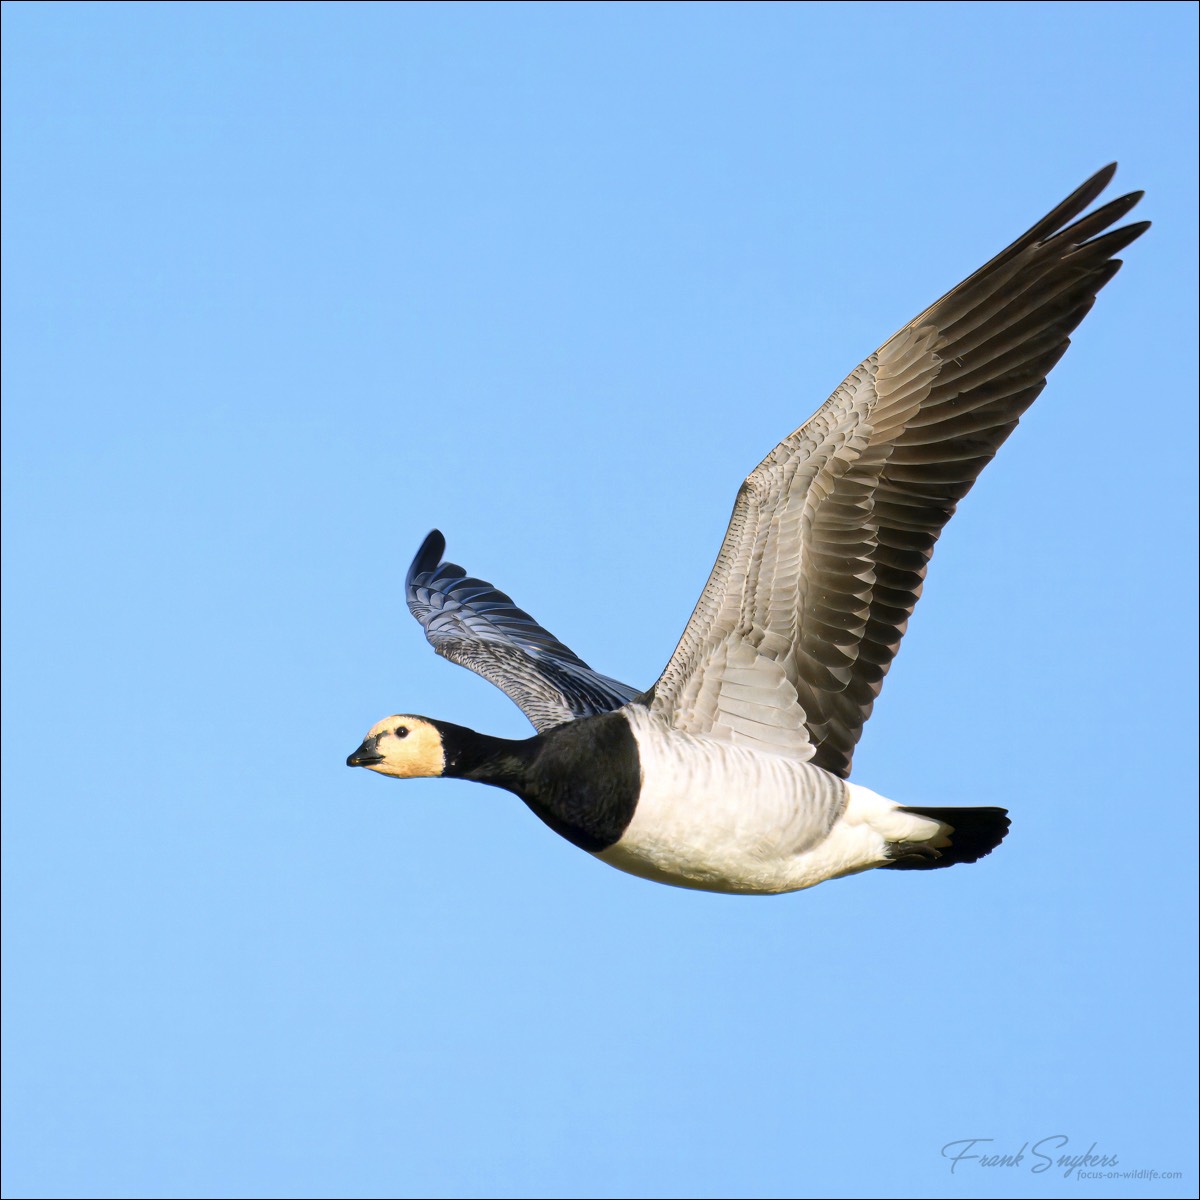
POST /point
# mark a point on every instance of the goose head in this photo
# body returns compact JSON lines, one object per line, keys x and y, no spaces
{"x":403,"y":746}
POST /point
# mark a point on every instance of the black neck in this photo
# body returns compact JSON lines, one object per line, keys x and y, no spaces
{"x":582,"y":777}
{"x":485,"y":759}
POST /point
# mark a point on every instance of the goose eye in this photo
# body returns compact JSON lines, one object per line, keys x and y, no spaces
{"x":401,"y":731}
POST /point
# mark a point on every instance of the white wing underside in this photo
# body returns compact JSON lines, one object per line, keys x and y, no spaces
{"x":831,"y":534}
{"x":745,"y":690}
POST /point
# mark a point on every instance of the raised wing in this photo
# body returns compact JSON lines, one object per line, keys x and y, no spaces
{"x":471,"y":623}
{"x":830,"y":537}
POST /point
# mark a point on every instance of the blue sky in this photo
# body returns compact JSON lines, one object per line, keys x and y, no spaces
{"x":286,"y":286}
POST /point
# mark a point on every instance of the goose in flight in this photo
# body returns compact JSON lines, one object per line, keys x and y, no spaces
{"x":731,"y":772}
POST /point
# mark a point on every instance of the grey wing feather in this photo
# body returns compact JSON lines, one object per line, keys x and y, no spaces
{"x":477,"y":626}
{"x":831,"y":535}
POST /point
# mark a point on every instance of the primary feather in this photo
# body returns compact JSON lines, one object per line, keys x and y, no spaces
{"x":468,"y":621}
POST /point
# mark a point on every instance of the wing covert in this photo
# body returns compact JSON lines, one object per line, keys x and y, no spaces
{"x":472,"y":623}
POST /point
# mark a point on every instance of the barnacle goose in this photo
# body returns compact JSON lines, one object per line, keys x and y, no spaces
{"x":731,"y":772}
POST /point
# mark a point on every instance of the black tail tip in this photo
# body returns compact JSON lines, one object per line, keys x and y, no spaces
{"x":976,"y":833}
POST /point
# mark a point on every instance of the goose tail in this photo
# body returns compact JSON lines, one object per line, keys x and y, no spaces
{"x":966,"y":835}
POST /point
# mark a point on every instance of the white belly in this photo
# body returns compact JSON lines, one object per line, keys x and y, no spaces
{"x":728,"y":818}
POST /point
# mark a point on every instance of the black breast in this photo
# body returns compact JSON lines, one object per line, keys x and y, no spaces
{"x":585,"y":780}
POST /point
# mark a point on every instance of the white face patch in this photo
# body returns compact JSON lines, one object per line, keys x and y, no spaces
{"x":411,"y":748}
